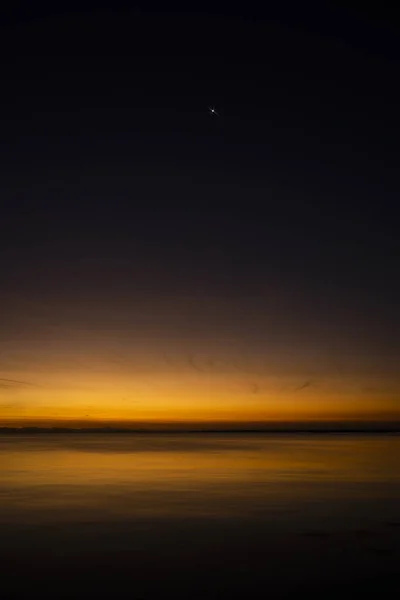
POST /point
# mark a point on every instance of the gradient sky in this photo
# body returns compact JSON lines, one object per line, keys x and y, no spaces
{"x":161,"y":264}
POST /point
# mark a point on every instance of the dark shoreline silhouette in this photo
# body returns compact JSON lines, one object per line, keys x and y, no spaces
{"x":389,"y":429}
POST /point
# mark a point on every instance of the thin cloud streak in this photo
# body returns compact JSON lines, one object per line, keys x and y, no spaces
{"x":302,"y":387}
{"x":13,"y":382}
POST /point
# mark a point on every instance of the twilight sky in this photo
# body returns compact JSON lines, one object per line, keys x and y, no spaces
{"x":158,"y":263}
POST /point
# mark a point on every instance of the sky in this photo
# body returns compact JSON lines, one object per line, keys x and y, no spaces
{"x":162,"y":264}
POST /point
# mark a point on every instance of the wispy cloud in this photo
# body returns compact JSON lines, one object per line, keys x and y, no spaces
{"x":306,"y":384}
{"x":195,"y":365}
{"x":13,"y":383}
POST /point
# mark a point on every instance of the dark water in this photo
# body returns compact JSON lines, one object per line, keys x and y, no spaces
{"x":199,"y":516}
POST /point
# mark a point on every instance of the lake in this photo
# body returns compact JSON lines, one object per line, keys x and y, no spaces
{"x":199,"y":515}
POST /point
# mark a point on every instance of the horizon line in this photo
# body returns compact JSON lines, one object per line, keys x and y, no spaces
{"x":381,"y":427}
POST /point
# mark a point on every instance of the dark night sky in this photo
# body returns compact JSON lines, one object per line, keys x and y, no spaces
{"x":129,"y":212}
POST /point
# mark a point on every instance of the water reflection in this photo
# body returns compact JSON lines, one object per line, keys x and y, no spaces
{"x":127,"y":475}
{"x":315,"y":509}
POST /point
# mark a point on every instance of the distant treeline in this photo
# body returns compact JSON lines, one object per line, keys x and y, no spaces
{"x":389,"y":428}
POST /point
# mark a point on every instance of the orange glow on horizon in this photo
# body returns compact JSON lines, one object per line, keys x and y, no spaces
{"x":59,"y":389}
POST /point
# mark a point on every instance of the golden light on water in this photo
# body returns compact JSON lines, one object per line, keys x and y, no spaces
{"x":220,"y":474}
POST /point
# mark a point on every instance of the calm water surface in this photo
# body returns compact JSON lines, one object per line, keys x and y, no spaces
{"x":199,"y":515}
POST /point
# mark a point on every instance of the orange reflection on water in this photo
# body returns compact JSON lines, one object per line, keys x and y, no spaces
{"x":96,"y":459}
{"x":136,"y":501}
